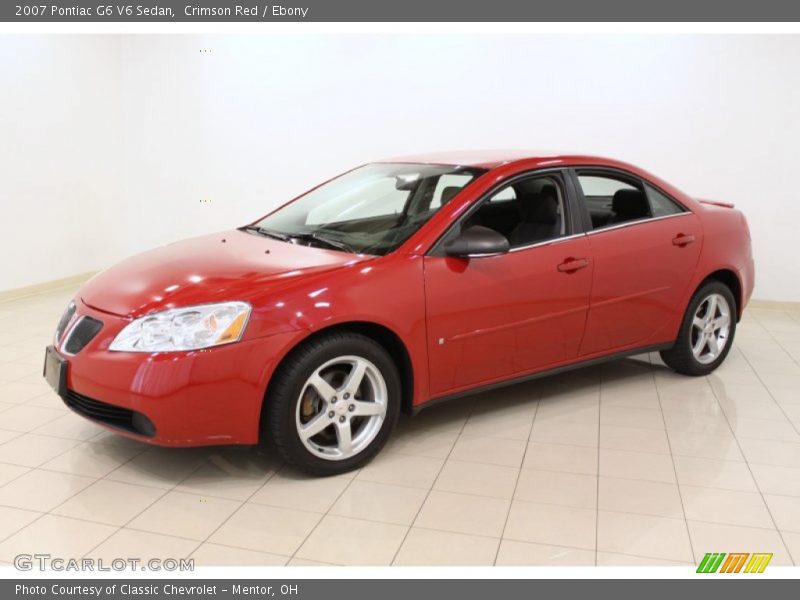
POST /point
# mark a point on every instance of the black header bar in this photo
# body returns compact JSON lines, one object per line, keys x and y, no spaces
{"x":399,"y":11}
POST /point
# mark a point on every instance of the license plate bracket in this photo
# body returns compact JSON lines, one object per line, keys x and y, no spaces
{"x":55,"y":371}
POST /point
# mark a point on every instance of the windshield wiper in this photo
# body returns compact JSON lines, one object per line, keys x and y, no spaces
{"x":285,"y":237}
{"x":316,"y":237}
{"x":267,"y":232}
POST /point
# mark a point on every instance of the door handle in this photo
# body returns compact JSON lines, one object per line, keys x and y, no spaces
{"x":573,"y":264}
{"x":682,"y":240}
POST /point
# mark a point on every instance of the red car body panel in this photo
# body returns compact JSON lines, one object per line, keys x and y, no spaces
{"x":631,"y":292}
{"x":463,"y":324}
{"x":489,"y":313}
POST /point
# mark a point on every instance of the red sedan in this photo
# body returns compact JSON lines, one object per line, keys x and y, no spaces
{"x":395,"y":285}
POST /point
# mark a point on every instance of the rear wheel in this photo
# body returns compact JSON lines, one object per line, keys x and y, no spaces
{"x":706,"y":333}
{"x":333,"y":403}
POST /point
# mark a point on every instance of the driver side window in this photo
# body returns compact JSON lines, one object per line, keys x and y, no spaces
{"x":526,"y":212}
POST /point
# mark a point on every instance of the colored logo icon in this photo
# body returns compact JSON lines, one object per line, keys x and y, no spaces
{"x":735,"y":562}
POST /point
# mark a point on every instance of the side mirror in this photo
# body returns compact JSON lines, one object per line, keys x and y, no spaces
{"x":477,"y":241}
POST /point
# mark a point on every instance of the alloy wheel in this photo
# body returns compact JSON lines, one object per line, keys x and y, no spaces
{"x":341,"y":407}
{"x":711,"y":326}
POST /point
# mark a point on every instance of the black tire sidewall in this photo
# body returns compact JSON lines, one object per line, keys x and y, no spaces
{"x":284,"y":395}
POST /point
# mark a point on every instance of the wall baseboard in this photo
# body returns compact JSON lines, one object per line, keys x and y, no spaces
{"x":43,"y":288}
{"x":773,"y":305}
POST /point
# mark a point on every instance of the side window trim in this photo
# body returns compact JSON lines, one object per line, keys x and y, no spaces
{"x":573,"y":227}
{"x":636,"y":222}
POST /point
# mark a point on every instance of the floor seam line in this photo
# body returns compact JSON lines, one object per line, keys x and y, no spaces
{"x":674,"y":466}
{"x":749,"y":469}
{"x":430,"y":489}
{"x":516,"y":482}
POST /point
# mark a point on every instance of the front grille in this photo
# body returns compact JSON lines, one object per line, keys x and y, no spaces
{"x":81,"y":334}
{"x":113,"y":416}
{"x":65,"y":319}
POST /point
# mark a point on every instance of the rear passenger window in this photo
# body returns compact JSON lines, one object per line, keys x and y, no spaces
{"x":661,"y":205}
{"x":613,"y":200}
{"x":602,"y":186}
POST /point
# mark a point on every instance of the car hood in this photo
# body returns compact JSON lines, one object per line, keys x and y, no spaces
{"x":232,"y":265}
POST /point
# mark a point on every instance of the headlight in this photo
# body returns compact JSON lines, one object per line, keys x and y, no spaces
{"x":189,"y":328}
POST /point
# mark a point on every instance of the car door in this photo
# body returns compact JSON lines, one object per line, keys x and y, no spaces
{"x":494,"y":317}
{"x":645,"y":247}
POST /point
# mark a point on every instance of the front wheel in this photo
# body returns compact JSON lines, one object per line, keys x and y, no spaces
{"x":333,"y":404}
{"x":706,"y":333}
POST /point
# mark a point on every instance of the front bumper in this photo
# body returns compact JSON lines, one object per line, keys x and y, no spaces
{"x":197,"y":398}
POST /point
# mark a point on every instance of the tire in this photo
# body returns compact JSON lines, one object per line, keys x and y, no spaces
{"x":684,"y":356}
{"x":312,"y":403}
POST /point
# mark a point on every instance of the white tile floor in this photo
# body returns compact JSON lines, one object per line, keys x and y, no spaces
{"x":622,"y":464}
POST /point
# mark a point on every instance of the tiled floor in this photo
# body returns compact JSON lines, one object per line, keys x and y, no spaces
{"x":622,"y":464}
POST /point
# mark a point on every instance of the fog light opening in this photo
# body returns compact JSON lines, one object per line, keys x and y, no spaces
{"x":143,"y":425}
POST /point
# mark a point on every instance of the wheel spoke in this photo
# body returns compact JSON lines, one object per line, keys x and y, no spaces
{"x":697,"y":349}
{"x":355,"y":378}
{"x":713,"y":345}
{"x":710,"y":328}
{"x":314,"y":426}
{"x":344,"y":435}
{"x":364,"y":409}
{"x":323,"y":388}
{"x":721,"y":322}
{"x":711,"y":312}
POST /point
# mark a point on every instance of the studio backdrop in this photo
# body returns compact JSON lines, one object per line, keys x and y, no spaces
{"x":110,"y":145}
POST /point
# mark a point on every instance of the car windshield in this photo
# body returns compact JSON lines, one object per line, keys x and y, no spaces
{"x":370,"y":210}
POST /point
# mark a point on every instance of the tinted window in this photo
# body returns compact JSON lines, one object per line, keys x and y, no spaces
{"x":504,"y":195}
{"x":447,"y":187}
{"x":613,"y":200}
{"x":526,"y":212}
{"x":660,"y":204}
{"x":593,"y":185}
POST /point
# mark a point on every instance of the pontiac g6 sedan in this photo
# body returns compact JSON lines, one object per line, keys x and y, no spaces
{"x":395,"y":285}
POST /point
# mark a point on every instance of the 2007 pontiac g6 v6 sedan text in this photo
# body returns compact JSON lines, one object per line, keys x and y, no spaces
{"x":394,"y":285}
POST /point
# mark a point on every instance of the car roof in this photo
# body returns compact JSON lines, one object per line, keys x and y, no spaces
{"x":533,"y":159}
{"x":490,"y":159}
